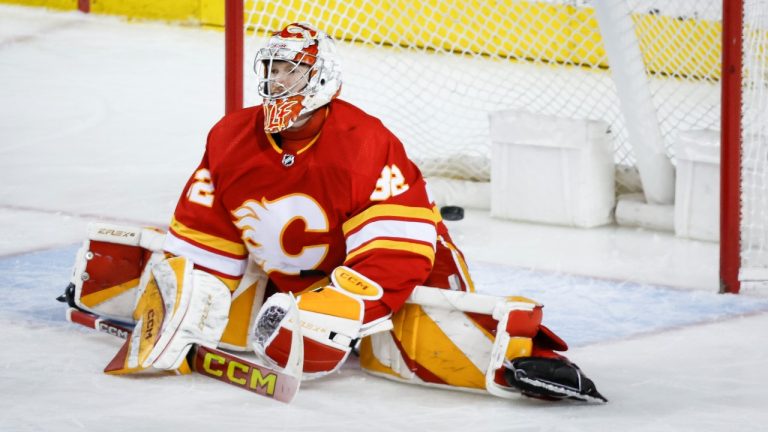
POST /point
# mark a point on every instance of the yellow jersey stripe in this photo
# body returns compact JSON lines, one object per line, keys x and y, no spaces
{"x":462,"y":265}
{"x":438,"y":216}
{"x":314,"y":140}
{"x":279,"y":150}
{"x":216,"y":262}
{"x":274,"y":144}
{"x":218,"y":243}
{"x":420,"y":249}
{"x":389,"y":210}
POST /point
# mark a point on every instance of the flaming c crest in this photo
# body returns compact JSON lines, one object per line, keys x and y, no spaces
{"x":263,"y":224}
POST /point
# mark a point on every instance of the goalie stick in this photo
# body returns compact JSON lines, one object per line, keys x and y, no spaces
{"x":223,"y":366}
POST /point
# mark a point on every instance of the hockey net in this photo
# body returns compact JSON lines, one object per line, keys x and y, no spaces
{"x":434,"y":70}
{"x":754,"y":148}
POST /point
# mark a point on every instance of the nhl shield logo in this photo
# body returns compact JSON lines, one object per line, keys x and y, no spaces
{"x":288,"y":159}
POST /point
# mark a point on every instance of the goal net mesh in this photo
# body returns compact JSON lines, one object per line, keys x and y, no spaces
{"x":434,"y":70}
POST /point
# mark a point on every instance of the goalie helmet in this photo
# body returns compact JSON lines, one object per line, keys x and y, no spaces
{"x":313,"y":71}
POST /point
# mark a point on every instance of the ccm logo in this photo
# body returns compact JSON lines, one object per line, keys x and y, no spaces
{"x":106,"y":328}
{"x":240,"y":374}
{"x":150,"y":324}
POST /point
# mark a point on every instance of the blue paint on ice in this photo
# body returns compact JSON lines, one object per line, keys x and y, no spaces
{"x":586,"y":310}
{"x":582,"y":310}
{"x":30,"y":283}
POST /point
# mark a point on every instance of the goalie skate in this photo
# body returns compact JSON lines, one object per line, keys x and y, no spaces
{"x":550,"y":378}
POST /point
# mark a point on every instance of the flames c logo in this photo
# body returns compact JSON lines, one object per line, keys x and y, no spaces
{"x":263,"y":223}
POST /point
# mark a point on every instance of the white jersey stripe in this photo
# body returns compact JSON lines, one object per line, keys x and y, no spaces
{"x":406,"y":230}
{"x":226,"y":265}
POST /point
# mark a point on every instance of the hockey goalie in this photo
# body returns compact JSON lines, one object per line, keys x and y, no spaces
{"x":308,"y":197}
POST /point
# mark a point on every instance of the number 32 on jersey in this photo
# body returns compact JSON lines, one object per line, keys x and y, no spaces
{"x":391,"y":183}
{"x":201,"y":191}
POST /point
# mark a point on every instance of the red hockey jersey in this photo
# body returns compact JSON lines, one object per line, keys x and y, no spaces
{"x":349,"y":197}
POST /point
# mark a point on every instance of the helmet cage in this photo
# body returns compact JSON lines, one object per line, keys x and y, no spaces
{"x":271,"y":89}
{"x":285,"y":100}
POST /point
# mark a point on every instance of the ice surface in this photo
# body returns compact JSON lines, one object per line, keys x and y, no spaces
{"x":104,"y":120}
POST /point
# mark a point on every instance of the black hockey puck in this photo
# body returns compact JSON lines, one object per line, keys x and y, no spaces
{"x":452,"y":213}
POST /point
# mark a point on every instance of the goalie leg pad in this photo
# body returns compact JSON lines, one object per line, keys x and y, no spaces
{"x":247,"y":298}
{"x":179,"y":307}
{"x":454,"y":339}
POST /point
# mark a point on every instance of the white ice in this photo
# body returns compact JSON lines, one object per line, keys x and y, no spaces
{"x":101,"y":119}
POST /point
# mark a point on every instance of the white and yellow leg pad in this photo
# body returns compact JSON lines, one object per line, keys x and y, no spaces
{"x":331,"y":322}
{"x":247,"y":298}
{"x":111,"y":266}
{"x":452,"y":339}
{"x":179,"y":307}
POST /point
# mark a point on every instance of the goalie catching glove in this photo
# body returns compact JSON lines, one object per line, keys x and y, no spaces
{"x":331,"y":319}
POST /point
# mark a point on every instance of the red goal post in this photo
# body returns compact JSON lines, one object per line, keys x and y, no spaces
{"x":687,"y":46}
{"x":730,"y":148}
{"x":233,"y":58}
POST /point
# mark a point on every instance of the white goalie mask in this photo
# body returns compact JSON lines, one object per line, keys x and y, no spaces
{"x":298,"y":72}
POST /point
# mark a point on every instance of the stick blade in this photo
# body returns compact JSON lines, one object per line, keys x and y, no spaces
{"x":245,"y":374}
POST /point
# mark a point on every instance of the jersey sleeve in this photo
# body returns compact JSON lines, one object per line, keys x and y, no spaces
{"x":201,"y":227}
{"x":392,"y":238}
